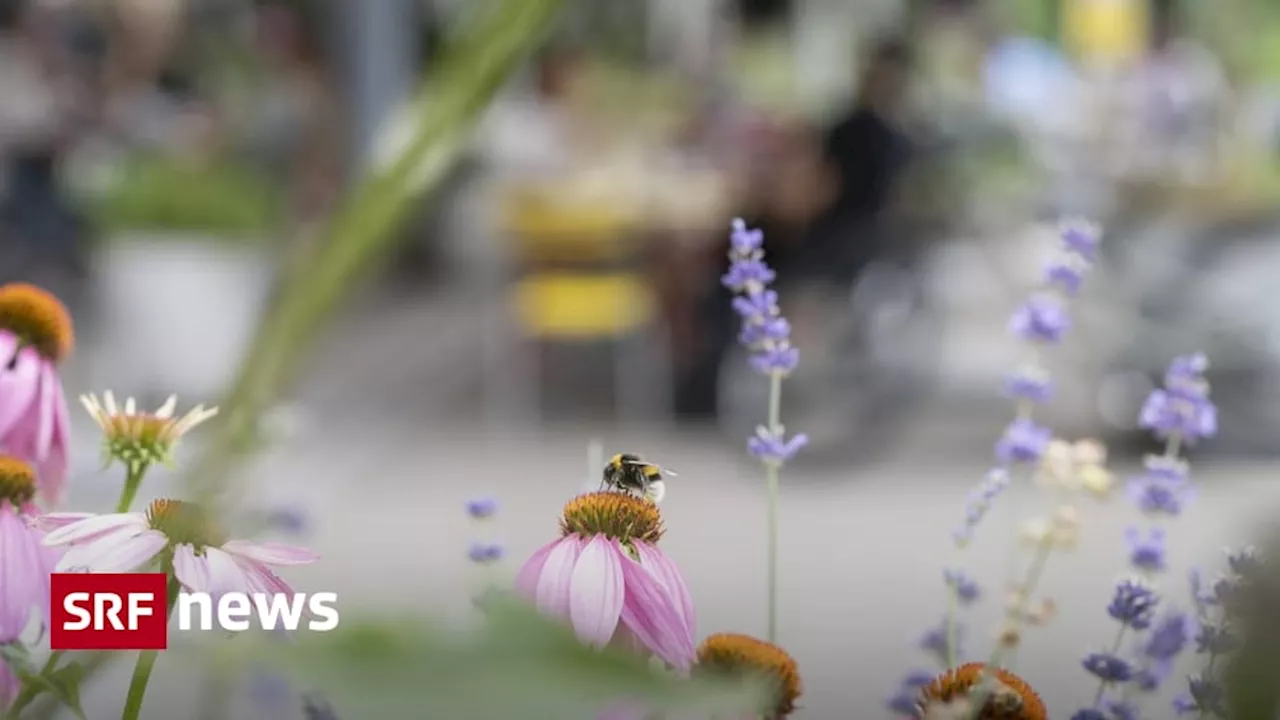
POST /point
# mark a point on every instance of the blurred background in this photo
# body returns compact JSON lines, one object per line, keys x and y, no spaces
{"x":163,"y":163}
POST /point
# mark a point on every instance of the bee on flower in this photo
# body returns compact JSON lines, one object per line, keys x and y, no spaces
{"x":607,"y":577}
{"x":953,"y":694}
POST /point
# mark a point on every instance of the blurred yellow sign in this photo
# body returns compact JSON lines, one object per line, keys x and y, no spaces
{"x":1105,"y":31}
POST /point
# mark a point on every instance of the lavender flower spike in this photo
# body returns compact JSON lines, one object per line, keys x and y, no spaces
{"x":767,"y":335}
{"x":765,"y":332}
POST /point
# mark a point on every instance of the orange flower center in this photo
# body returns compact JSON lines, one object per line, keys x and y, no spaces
{"x":733,"y":654}
{"x":614,"y":514}
{"x":39,"y":320}
{"x":17,"y":481}
{"x":1010,"y":697}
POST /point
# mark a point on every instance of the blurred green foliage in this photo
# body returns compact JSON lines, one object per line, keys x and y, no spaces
{"x":160,"y":193}
{"x":517,"y":664}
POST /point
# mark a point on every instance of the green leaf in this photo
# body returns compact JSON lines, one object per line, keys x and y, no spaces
{"x":517,"y":664}
{"x":17,"y":657}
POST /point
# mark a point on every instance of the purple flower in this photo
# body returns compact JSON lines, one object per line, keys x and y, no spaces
{"x":485,"y":553}
{"x":1216,"y":640}
{"x":1089,"y":714}
{"x":1081,"y":239}
{"x":1157,"y":496}
{"x":761,"y":304}
{"x":776,"y":360}
{"x":1151,"y":676}
{"x":1040,"y":319}
{"x":1023,"y":441}
{"x":979,"y":502}
{"x":1108,"y":667}
{"x":904,"y":701}
{"x":774,"y":447}
{"x":743,"y":240}
{"x":1169,"y":636}
{"x":764,"y":331}
{"x":1031,"y":384}
{"x":1146,"y":551}
{"x":1133,"y":604}
{"x":935,"y":642}
{"x":746,"y":273}
{"x":1122,"y":710}
{"x":482,"y":508}
{"x":965,"y":588}
{"x":1168,"y":414}
{"x":1066,"y":274}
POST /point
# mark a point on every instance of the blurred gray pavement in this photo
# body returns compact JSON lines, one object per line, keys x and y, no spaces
{"x":382,"y":466}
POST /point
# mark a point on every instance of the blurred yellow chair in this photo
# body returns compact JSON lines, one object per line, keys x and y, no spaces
{"x":579,"y":282}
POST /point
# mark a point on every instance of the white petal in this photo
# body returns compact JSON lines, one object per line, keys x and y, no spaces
{"x":166,"y":410}
{"x":131,"y":555}
{"x":130,"y":407}
{"x":110,"y":399}
{"x":102,"y":548}
{"x":97,"y":525}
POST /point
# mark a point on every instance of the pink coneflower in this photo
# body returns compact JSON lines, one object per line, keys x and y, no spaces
{"x":36,"y":335}
{"x":204,"y":560}
{"x":606,"y":575}
{"x":25,"y":564}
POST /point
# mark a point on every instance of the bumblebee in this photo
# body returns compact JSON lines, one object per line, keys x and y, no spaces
{"x":627,"y":473}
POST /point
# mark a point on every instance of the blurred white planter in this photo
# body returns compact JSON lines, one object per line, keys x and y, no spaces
{"x":178,"y":312}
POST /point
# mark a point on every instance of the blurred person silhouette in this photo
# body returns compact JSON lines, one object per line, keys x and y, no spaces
{"x":821,"y":210}
{"x":866,"y":155}
{"x":530,"y":134}
{"x":38,"y":100}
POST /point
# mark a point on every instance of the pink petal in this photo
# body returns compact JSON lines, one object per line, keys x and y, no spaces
{"x":651,"y":614}
{"x":53,"y":521}
{"x":95,"y":526}
{"x":192,"y":571}
{"x":665,"y":568}
{"x":224,"y":574}
{"x":552,"y":596}
{"x":270,"y":553}
{"x":44,"y":419}
{"x":596,"y":592}
{"x":53,"y":470}
{"x":527,"y":578}
{"x":8,"y":346}
{"x":19,"y":571}
{"x":261,"y":579}
{"x":18,"y":388}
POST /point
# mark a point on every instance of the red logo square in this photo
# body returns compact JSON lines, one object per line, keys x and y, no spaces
{"x":108,"y":611}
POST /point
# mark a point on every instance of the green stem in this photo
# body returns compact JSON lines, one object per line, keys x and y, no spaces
{"x":1115,"y":648}
{"x":953,"y":609}
{"x":132,"y":481}
{"x":772,"y":489}
{"x":1024,"y":590}
{"x":30,"y":692}
{"x":146,"y":663}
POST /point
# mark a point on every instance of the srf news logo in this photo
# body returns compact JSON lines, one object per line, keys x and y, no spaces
{"x":126,"y":611}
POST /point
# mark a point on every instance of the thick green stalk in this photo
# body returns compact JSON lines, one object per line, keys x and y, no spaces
{"x":146,"y":663}
{"x":134,"y":473}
